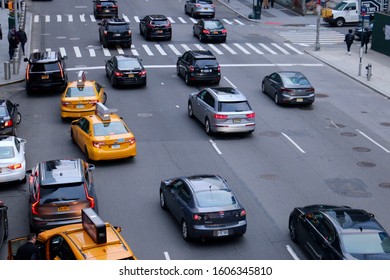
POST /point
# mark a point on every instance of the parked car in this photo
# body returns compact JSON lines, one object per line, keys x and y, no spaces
{"x":105,"y":8}
{"x":198,"y":8}
{"x":204,"y":205}
{"x":115,"y":31}
{"x":9,"y":117}
{"x":58,"y":190}
{"x":210,"y":30}
{"x":197,"y":65}
{"x":155,"y":26}
{"x":288,"y":87}
{"x":12,"y":159}
{"x":329,"y":232}
{"x":125,"y":70}
{"x":223,"y":110}
{"x":3,"y":223}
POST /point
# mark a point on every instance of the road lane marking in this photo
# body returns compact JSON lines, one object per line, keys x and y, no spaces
{"x":292,"y":253}
{"x":36,"y":18}
{"x":47,"y":18}
{"x":267,"y":48}
{"x":106,"y":52}
{"x":228,"y":48}
{"x":295,"y":144}
{"x":215,"y":48}
{"x":119,"y":49}
{"x":241,"y":48}
{"x":82,"y":18}
{"x":59,"y":18}
{"x":227,"y":21}
{"x":171,"y":20}
{"x":160,"y":49}
{"x":182,"y":20}
{"x":136,"y":18}
{"x":134,"y":51}
{"x":254,"y":48}
{"x":93,"y":19}
{"x":167,"y":256}
{"x":215,"y":147}
{"x":193,"y":20}
{"x":125,"y":18}
{"x":48,"y":49}
{"x":77,"y":51}
{"x":227,"y":80}
{"x":70,"y":18}
{"x":199,"y":47}
{"x":292,"y":48}
{"x":91,"y":51}
{"x":376,"y":143}
{"x":280,"y":48}
{"x":147,"y":50}
{"x":173,"y":48}
{"x":62,"y":51}
{"x":187,"y":48}
{"x":239,"y":22}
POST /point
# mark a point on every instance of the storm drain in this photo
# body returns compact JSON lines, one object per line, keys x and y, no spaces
{"x":348,"y":134}
{"x":366,"y":164}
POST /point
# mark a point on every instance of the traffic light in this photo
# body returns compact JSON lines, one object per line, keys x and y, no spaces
{"x":10,"y":5}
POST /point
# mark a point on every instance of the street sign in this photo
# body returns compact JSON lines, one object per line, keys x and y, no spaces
{"x":363,"y":10}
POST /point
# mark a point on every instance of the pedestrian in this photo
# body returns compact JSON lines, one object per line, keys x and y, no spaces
{"x":22,"y":37}
{"x":13,"y":43}
{"x":28,"y":251}
{"x":272,"y":3}
{"x":349,"y":37}
{"x":265,"y":4}
{"x":365,"y":38}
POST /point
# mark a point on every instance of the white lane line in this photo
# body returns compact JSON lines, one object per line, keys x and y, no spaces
{"x":228,"y":48}
{"x":171,"y":20}
{"x":215,"y":48}
{"x":182,"y":20}
{"x":267,"y":48}
{"x":292,"y":253}
{"x":193,"y":20}
{"x":254,"y":48}
{"x":48,"y":49}
{"x":295,"y":144}
{"x":35,"y":50}
{"x":160,"y":49}
{"x":280,"y":48}
{"x":47,"y":18}
{"x":119,"y":49}
{"x":167,"y":256}
{"x":187,"y":48}
{"x":227,"y":80}
{"x":77,"y":51}
{"x":125,"y":18}
{"x":241,"y":48}
{"x":199,"y":47}
{"x":36,"y":18}
{"x":93,"y":19}
{"x":59,"y":18}
{"x":227,"y":21}
{"x":91,"y":51}
{"x":70,"y":18}
{"x":215,"y":147}
{"x":239,"y":22}
{"x":134,"y":51}
{"x":62,"y":51}
{"x":136,"y":18}
{"x":106,"y":51}
{"x":376,"y":143}
{"x":292,"y":48}
{"x":173,"y":48}
{"x":82,"y":17}
{"x":148,"y":51}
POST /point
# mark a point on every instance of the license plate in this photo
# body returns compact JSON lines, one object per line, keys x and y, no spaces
{"x":63,"y":208}
{"x":215,"y":32}
{"x":115,"y":146}
{"x":159,"y":31}
{"x":130,"y":76}
{"x":299,"y":99}
{"x":106,"y":11}
{"x":206,"y":8}
{"x":236,"y":120}
{"x":79,"y":106}
{"x":45,"y":77}
{"x":117,"y":35}
{"x":224,"y":232}
{"x":206,"y":70}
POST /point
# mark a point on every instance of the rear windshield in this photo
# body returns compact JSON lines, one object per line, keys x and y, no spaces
{"x":62,"y":193}
{"x":205,"y":1}
{"x":6,"y":152}
{"x":3,"y":111}
{"x":44,"y":67}
{"x":215,"y":24}
{"x":117,"y":27}
{"x":108,"y":3}
{"x":129,"y":64}
{"x":215,"y":198}
{"x":111,"y":128}
{"x":240,"y":106}
{"x":294,"y":80}
{"x":159,"y":22}
{"x":80,"y":91}
{"x":206,"y":62}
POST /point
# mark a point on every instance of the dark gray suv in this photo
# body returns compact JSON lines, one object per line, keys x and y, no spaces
{"x":199,"y":8}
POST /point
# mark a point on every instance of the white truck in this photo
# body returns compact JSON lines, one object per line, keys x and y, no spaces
{"x":348,"y":11}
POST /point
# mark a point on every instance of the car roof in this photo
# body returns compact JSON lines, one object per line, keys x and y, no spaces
{"x":126,"y":57}
{"x":228,"y":94}
{"x":44,"y":57}
{"x":157,"y":17}
{"x":200,"y":183}
{"x":206,"y":54}
{"x":115,"y":21}
{"x":6,"y":140}
{"x":61,"y":171}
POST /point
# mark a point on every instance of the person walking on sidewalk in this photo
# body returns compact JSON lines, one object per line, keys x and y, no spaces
{"x":272,"y":3}
{"x":365,"y":38}
{"x":265,"y":4}
{"x":349,"y":37}
{"x":22,"y":37}
{"x":13,"y":43}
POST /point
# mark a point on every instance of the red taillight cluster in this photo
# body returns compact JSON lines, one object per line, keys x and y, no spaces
{"x":286,"y":90}
{"x":205,"y":31}
{"x":105,"y":32}
{"x":131,"y":141}
{"x":251,"y":115}
{"x":90,"y":198}
{"x":99,"y":6}
{"x":15,"y":166}
{"x":118,"y":74}
{"x":142,"y":73}
{"x":65,"y":103}
{"x":310,"y":90}
{"x":28,"y":72}
{"x":34,"y":205}
{"x":243,"y":213}
{"x":8,"y":123}
{"x":168,"y":25}
{"x":192,"y":69}
{"x":220,"y":117}
{"x":98,"y":144}
{"x":197,"y":5}
{"x":93,"y":102}
{"x":224,"y":31}
{"x":219,"y":68}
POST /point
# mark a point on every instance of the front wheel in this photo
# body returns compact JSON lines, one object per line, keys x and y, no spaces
{"x":178,"y":70}
{"x":18,"y":118}
{"x":190,"y":112}
{"x":184,"y":231}
{"x":339,"y":22}
{"x":292,"y":229}
{"x":162,"y":201}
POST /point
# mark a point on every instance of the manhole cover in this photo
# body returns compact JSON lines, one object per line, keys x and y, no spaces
{"x":349,"y":134}
{"x":363,"y":112}
{"x":366,"y":164}
{"x":321,"y":95}
{"x":361,"y":149}
{"x":384,"y":185}
{"x":269,"y":176}
{"x":144,"y":115}
{"x":385,"y":123}
{"x":336,"y":125}
{"x":269,"y":133}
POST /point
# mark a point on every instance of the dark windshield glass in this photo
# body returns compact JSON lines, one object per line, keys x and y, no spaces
{"x":44,"y":67}
{"x":214,"y":198}
{"x":240,"y":106}
{"x":60,"y":193}
{"x":117,"y":27}
{"x":206,"y":62}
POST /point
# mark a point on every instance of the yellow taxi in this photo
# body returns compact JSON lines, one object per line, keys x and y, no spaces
{"x":80,"y":97}
{"x":103,"y":136}
{"x":92,"y":239}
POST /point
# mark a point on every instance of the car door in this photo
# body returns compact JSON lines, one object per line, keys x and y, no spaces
{"x":207,"y":106}
{"x":183,"y":63}
{"x":142,"y":25}
{"x":198,"y":28}
{"x":100,"y":90}
{"x":171,"y":198}
{"x":59,"y":249}
{"x":352,"y":14}
{"x":275,"y":83}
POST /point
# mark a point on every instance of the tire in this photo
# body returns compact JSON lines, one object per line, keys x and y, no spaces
{"x":18,"y":118}
{"x":207,"y":127}
{"x":178,"y":70}
{"x":28,"y":91}
{"x":162,"y":201}
{"x":339,"y":22}
{"x":112,"y":81}
{"x":263,"y":88}
{"x":223,"y":40}
{"x":276,"y":99}
{"x":184,"y":231}
{"x":146,"y":36}
{"x":6,"y":228}
{"x":187,"y":79}
{"x":192,"y":13}
{"x":190,"y":112}
{"x":217,"y":82}
{"x":104,"y":98}
{"x":201,"y":39}
{"x":292,"y":230}
{"x":169,"y":38}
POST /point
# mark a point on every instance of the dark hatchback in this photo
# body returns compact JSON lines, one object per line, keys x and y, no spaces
{"x":125,"y":70}
{"x":58,"y":190}
{"x":3,"y":223}
{"x":329,"y":232}
{"x":46,"y":71}
{"x":210,"y":30}
{"x":198,"y":65}
{"x":115,"y":31}
{"x":9,"y":117}
{"x":204,"y":205}
{"x":105,"y":8}
{"x":155,"y":26}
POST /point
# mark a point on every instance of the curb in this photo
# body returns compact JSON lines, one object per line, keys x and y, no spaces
{"x":231,"y":8}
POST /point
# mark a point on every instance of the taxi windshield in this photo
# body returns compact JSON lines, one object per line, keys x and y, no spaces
{"x":80,"y":91}
{"x":109,"y":128}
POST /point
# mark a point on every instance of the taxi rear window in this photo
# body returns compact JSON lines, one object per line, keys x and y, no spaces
{"x":80,"y":91}
{"x":110,"y":128}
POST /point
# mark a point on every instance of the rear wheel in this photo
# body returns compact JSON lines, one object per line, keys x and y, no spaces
{"x":162,"y":201}
{"x":184,"y":231}
{"x":263,"y":88}
{"x":71,"y":136}
{"x":192,"y":14}
{"x":178,"y":70}
{"x":276,"y":99}
{"x":190,"y":112}
{"x":187,"y":79}
{"x":292,"y":229}
{"x":18,"y":118}
{"x":112,"y":80}
{"x":207,"y":126}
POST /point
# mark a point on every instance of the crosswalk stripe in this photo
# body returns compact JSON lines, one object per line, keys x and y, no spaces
{"x":91,"y":51}
{"x":267,"y":48}
{"x":59,"y":18}
{"x":292,"y":48}
{"x":228,"y":48}
{"x":199,"y":47}
{"x":239,"y":22}
{"x":171,"y":20}
{"x":48,"y":49}
{"x":215,"y":48}
{"x":173,"y":48}
{"x":280,"y":48}
{"x":227,"y":21}
{"x":35,"y":50}
{"x":93,"y":19}
{"x":134,"y":51}
{"x":77,"y":51}
{"x":146,"y":48}
{"x":120,"y":50}
{"x":160,"y":49}
{"x":241,"y":48}
{"x":47,"y":18}
{"x":82,"y":18}
{"x":70,"y":18}
{"x":125,"y":18}
{"x":136,"y":18}
{"x":62,"y":51}
{"x":187,"y":48}
{"x":254,"y":48}
{"x":36,"y":18}
{"x":193,"y":20}
{"x":182,"y":20}
{"x":106,"y":52}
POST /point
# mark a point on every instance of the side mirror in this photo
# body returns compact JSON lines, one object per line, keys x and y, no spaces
{"x":29,"y":172}
{"x":22,"y":141}
{"x":118,"y":229}
{"x":91,"y":166}
{"x":16,"y":105}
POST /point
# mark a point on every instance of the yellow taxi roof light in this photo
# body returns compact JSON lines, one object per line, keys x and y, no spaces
{"x":103,"y":112}
{"x":94,"y":225}
{"x":81,"y":78}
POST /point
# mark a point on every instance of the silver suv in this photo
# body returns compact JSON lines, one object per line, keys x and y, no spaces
{"x":199,"y":8}
{"x":222,"y":109}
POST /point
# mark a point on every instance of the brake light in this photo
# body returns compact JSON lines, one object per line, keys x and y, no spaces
{"x":15,"y":166}
{"x":61,"y":70}
{"x":131,"y":141}
{"x":205,"y":31}
{"x":212,"y":5}
{"x":286,"y":90}
{"x":35,"y":204}
{"x":98,"y":144}
{"x":150,"y":25}
{"x":224,"y":31}
{"x":142,"y":73}
{"x":219,"y":68}
{"x":129,"y":32}
{"x":310,"y":90}
{"x":192,"y":69}
{"x":220,"y":117}
{"x":197,"y":5}
{"x":251,"y":115}
{"x":65,"y":103}
{"x":90,"y":198}
{"x":115,"y":6}
{"x":168,"y":24}
{"x":8,"y":123}
{"x":105,"y":32}
{"x":99,"y":6}
{"x":118,"y":74}
{"x":28,"y":72}
{"x":197,"y":217}
{"x":243,"y":213}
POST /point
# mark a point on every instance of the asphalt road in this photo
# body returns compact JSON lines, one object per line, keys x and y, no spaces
{"x":335,"y":152}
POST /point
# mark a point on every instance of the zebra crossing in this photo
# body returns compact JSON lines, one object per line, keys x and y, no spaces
{"x":178,"y":49}
{"x":306,"y":38}
{"x":70,"y":18}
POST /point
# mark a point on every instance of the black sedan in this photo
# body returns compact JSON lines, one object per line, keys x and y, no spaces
{"x":204,"y":205}
{"x":3,"y":223}
{"x":330,"y":232}
{"x":125,"y":70}
{"x":210,"y":30}
{"x":9,"y":117}
{"x":288,"y":87}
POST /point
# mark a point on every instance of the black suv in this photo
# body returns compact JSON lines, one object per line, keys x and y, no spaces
{"x":105,"y":8}
{"x":155,"y":26}
{"x":198,"y":66}
{"x":114,"y":31}
{"x":58,"y":190}
{"x":46,"y":70}
{"x":9,"y":117}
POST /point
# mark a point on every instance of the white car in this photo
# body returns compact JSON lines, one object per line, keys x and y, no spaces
{"x":12,"y":159}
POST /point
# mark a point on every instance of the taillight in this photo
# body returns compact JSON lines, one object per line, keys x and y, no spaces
{"x":150,"y":25}
{"x":115,"y":6}
{"x":118,"y":74}
{"x":99,"y":6}
{"x":205,"y":31}
{"x":8,"y":123}
{"x":286,"y":90}
{"x":28,"y":72}
{"x":105,"y":32}
{"x":65,"y":103}
{"x":192,"y":69}
{"x":61,"y":70}
{"x":250,"y":116}
{"x":220,"y":117}
{"x":212,"y":5}
{"x":90,"y":198}
{"x":142,"y":73}
{"x":93,"y":102}
{"x":243,"y":213}
{"x":129,"y":32}
{"x":35,"y":203}
{"x":168,"y":24}
{"x":197,"y":217}
{"x":224,"y":31}
{"x":131,"y":141}
{"x":219,"y":68}
{"x":310,"y":90}
{"x":15,"y":166}
{"x":98,"y":144}
{"x":197,"y":5}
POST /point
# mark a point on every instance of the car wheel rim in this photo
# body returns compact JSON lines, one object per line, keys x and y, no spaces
{"x":19,"y":118}
{"x":276,"y":98}
{"x":184,"y":230}
{"x":190,"y":110}
{"x":207,"y":126}
{"x":187,"y":79}
{"x":292,"y":230}
{"x":162,"y":201}
{"x":263,"y":87}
